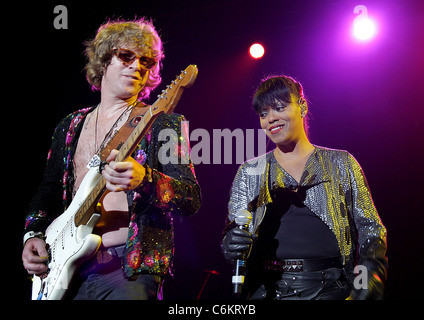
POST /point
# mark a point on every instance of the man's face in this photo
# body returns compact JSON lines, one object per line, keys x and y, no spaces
{"x":125,"y":80}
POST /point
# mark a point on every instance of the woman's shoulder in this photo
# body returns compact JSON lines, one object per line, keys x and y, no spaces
{"x":331,"y":153}
{"x":255,"y":166}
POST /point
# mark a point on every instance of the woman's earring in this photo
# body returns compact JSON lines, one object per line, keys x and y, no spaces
{"x":302,"y":106}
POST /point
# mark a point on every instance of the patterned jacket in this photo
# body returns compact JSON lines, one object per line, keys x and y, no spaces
{"x":168,"y":188}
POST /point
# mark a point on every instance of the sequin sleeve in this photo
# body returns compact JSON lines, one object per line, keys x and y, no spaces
{"x":238,"y":194}
{"x":246,"y":192}
{"x":47,"y":201}
{"x":372,"y":234}
{"x":170,"y":181}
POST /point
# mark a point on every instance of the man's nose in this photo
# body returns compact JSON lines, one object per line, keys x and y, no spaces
{"x":136,"y":65}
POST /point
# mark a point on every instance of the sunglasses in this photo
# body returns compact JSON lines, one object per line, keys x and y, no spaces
{"x":128,"y":57}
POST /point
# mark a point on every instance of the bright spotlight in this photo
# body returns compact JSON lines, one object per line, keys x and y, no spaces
{"x":256,"y":51}
{"x":363,"y":27}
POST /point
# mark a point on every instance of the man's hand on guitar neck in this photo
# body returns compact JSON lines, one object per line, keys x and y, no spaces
{"x":34,"y":256}
{"x":122,"y":176}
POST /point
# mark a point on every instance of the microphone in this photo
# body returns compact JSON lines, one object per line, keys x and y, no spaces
{"x":243,"y":218}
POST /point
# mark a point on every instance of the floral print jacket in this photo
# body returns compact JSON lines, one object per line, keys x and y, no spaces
{"x":168,"y":188}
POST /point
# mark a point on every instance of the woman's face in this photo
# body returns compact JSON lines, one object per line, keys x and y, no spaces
{"x":283,"y":123}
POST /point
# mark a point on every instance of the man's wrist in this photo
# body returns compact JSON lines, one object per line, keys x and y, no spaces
{"x":33,"y":234}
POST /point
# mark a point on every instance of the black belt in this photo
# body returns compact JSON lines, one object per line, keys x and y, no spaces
{"x":302,"y":265}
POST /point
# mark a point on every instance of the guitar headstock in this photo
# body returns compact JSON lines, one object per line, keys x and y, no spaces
{"x":169,"y":97}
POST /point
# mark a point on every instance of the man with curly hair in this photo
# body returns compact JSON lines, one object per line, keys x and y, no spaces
{"x":124,"y":61}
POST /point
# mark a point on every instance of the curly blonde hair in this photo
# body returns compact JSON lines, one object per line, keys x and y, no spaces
{"x":138,"y":33}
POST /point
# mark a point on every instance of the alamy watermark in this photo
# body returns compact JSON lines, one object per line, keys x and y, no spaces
{"x":223,"y":146}
{"x":361,"y":279}
{"x":61,"y":19}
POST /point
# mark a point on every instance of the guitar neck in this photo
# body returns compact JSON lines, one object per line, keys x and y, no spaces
{"x":88,"y":207}
{"x":138,"y":133}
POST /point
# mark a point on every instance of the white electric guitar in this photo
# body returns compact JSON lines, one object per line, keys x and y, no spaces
{"x":69,"y":238}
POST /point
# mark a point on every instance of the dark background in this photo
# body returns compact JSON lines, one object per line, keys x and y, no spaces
{"x":364,"y":98}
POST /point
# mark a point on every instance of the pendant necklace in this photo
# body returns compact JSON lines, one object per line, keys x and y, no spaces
{"x":95,"y":160}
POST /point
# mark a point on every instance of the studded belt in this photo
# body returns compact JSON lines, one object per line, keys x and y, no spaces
{"x":302,"y":265}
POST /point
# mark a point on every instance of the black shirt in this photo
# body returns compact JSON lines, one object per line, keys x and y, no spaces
{"x":292,"y":230}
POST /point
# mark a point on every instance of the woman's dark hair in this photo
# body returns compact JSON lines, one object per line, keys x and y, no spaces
{"x":274,"y":88}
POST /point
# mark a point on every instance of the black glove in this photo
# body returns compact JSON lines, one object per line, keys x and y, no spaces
{"x":373,"y":257}
{"x":375,"y":289}
{"x":236,"y":243}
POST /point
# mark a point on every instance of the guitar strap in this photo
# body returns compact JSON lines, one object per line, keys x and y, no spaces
{"x":124,"y":132}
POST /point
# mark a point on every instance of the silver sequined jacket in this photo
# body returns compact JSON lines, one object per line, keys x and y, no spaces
{"x":336,"y":191}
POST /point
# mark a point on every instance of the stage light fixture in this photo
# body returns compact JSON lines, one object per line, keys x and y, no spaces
{"x":364,"y":28}
{"x":256,"y":51}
